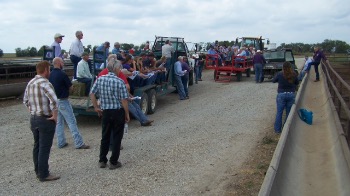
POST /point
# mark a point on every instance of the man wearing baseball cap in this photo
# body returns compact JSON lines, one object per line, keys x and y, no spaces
{"x":58,"y":39}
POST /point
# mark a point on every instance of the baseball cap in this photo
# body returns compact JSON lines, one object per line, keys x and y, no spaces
{"x":57,"y":35}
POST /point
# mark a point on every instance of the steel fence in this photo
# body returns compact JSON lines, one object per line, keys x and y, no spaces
{"x":340,"y":93}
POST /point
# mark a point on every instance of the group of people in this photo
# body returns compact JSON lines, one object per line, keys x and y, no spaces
{"x":46,"y":97}
{"x":223,"y":54}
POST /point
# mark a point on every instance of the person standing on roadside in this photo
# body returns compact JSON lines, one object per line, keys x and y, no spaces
{"x":62,"y":85}
{"x":258,"y":62}
{"x":287,"y":82}
{"x":58,"y":39}
{"x":167,"y":51}
{"x":178,"y":74}
{"x":186,"y":76}
{"x":113,"y":108}
{"x":75,"y":51}
{"x":41,"y":101}
{"x":318,"y":56}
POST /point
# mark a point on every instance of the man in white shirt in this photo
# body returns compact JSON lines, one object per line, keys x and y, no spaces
{"x":83,"y":72}
{"x":167,"y":50}
{"x":76,"y":50}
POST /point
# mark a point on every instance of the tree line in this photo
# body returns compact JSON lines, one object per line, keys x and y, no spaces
{"x":328,"y":46}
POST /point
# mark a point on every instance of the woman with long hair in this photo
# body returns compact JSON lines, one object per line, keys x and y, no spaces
{"x":287,"y":83}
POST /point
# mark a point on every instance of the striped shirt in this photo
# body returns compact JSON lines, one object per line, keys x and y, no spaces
{"x":111,"y":90}
{"x":40,"y":97}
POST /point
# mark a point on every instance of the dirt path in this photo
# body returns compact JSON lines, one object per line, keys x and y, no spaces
{"x":195,"y":147}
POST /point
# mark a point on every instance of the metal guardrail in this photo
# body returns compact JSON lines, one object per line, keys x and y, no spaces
{"x":340,"y":92}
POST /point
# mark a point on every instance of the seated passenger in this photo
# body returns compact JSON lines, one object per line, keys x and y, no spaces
{"x":83,"y":72}
{"x":242,"y":53}
{"x":105,"y":48}
{"x":134,"y":107}
{"x":303,"y":71}
{"x":212,"y":51}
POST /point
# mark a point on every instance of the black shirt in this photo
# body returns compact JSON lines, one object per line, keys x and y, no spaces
{"x":283,"y":84}
{"x":60,"y":82}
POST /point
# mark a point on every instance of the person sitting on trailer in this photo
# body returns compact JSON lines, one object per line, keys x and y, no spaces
{"x":83,"y":72}
{"x":212,"y":51}
{"x":134,"y":108}
{"x":135,"y":78}
{"x":148,"y":62}
{"x":160,"y":66}
{"x":243,"y":54}
{"x":105,"y":48}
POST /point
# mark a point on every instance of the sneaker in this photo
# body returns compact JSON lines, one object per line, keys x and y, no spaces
{"x":50,"y":178}
{"x":148,"y":123}
{"x":114,"y":166}
{"x":317,"y":80}
{"x":84,"y":146}
{"x":102,"y":165}
{"x":64,"y":145}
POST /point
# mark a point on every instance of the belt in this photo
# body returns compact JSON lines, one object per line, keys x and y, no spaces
{"x":287,"y":92}
{"x":63,"y":98}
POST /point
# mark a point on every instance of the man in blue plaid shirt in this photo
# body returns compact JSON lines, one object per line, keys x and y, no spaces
{"x":113,"y":108}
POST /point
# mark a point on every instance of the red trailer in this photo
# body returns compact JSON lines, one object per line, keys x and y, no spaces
{"x":225,"y":71}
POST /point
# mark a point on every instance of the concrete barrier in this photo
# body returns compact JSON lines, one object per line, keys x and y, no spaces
{"x":310,"y":159}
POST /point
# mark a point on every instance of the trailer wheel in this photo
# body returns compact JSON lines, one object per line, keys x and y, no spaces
{"x":144,"y":103}
{"x":248,"y":72}
{"x":239,"y":76}
{"x":152,"y":101}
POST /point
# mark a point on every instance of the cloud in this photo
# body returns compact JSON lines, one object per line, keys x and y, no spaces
{"x":33,"y":23}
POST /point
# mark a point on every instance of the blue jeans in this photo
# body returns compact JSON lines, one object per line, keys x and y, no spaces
{"x":43,"y":132}
{"x":316,"y":68}
{"x":301,"y":75}
{"x":136,"y":111}
{"x":258,"y":72}
{"x":198,"y":72}
{"x":184,"y":80}
{"x":168,"y":67}
{"x":283,"y":101}
{"x":180,"y":87}
{"x":113,"y":121}
{"x":65,"y":113}
{"x":87,"y":82}
{"x":75,"y":60}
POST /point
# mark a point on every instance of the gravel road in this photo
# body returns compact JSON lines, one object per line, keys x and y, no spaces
{"x":195,"y":146}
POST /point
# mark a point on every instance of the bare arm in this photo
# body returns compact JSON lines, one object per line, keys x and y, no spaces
{"x":94,"y":103}
{"x":126,"y":109}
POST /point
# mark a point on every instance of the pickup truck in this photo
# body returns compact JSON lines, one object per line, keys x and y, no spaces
{"x":274,"y":61}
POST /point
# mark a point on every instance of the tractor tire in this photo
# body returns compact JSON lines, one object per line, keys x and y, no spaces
{"x":144,"y":103}
{"x":152,"y":101}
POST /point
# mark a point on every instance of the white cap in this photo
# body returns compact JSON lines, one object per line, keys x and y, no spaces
{"x":57,"y":35}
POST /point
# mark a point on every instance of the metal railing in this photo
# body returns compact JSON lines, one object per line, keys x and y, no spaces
{"x":340,"y":93}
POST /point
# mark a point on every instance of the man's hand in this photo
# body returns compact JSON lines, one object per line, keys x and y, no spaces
{"x":127,"y":117}
{"x":99,"y":111}
{"x":54,"y":116}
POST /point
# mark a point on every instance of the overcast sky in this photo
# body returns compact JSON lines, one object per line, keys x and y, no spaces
{"x":33,"y":23}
